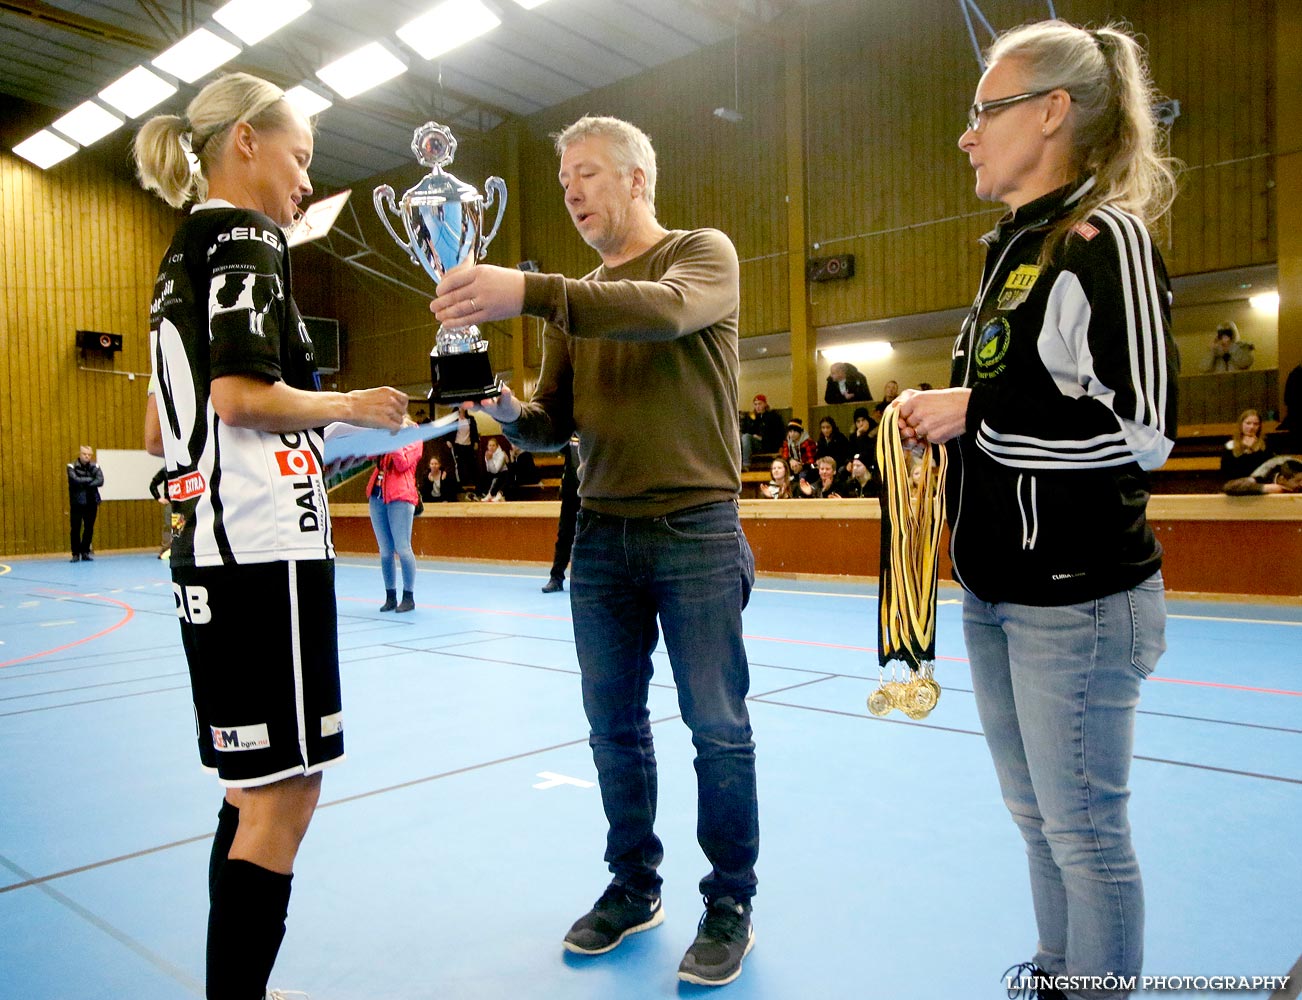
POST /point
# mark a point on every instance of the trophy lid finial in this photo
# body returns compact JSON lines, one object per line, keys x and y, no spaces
{"x":434,"y":145}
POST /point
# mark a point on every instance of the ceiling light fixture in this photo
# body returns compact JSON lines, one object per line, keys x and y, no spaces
{"x":196,"y":55}
{"x":137,"y":92}
{"x":446,"y":26}
{"x":864,"y":350}
{"x":88,"y":122}
{"x":362,"y":69}
{"x":307,"y":99}
{"x":45,"y":149}
{"x":253,"y":20}
{"x":530,"y":4}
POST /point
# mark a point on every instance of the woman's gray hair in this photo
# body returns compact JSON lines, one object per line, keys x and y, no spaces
{"x":1116,"y":137}
{"x":629,"y":145}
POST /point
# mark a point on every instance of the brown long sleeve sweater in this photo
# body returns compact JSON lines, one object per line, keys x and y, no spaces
{"x":641,"y":360}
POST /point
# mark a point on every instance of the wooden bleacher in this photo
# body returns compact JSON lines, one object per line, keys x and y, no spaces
{"x":1195,"y":462}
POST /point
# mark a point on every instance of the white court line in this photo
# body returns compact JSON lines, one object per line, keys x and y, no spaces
{"x":818,"y":593}
{"x":1239,"y":621}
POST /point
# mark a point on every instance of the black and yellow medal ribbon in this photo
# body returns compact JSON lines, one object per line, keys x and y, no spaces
{"x":913,"y":514}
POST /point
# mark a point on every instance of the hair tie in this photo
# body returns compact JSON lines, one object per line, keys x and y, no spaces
{"x":186,"y":139}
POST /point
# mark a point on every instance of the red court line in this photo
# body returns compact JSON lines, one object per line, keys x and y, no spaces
{"x":830,"y":645}
{"x":1229,"y":687}
{"x":475,"y":611}
{"x":130,"y":613}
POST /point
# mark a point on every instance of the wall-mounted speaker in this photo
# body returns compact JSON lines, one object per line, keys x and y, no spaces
{"x":831,"y":268}
{"x":102,"y":343}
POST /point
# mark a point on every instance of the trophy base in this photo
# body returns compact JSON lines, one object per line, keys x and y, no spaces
{"x":462,"y":378}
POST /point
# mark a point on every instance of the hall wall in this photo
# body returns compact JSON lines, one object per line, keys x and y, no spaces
{"x":885,"y":89}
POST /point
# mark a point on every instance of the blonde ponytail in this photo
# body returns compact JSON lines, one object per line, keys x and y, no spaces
{"x":174,"y":154}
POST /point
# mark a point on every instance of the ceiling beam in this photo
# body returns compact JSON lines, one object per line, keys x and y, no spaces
{"x":49,"y":14}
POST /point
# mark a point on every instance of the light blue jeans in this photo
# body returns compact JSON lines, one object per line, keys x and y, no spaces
{"x":1057,"y":689}
{"x":392,"y":524}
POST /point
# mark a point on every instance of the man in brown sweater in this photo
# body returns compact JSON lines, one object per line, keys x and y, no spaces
{"x":640,"y":357}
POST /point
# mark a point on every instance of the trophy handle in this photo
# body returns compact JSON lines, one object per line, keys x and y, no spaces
{"x":494,"y":190}
{"x":384,"y":195}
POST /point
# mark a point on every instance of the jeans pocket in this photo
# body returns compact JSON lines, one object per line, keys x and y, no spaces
{"x":713,"y":522}
{"x":1148,"y":621}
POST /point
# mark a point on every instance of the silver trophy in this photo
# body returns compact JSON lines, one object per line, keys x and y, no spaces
{"x":444,"y":222}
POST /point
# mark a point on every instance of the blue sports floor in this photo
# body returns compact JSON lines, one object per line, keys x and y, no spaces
{"x":462,"y":836}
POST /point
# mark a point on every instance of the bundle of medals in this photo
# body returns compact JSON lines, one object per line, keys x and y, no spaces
{"x":913,"y":513}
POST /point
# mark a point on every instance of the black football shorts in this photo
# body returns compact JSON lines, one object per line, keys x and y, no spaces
{"x":263,"y":650}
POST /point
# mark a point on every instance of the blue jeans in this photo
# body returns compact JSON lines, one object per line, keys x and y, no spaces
{"x":694,"y":570}
{"x":1057,"y":689}
{"x":392,"y":524}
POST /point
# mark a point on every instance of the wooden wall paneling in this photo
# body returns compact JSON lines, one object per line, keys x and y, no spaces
{"x":81,"y":243}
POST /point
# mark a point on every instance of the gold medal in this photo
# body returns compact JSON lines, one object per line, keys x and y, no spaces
{"x":879,"y":703}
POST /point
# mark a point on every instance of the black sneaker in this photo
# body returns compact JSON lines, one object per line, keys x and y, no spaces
{"x":553,"y":585}
{"x":616,"y":915}
{"x":1027,"y":981}
{"x":723,"y":938}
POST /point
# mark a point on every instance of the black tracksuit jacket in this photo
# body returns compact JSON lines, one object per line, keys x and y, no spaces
{"x":1073,"y":376}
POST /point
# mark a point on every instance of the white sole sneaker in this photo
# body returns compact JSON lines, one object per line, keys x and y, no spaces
{"x":689,"y":977}
{"x":656,"y":920}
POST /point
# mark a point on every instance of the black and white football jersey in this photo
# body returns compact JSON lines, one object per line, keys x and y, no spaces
{"x":222,"y":306}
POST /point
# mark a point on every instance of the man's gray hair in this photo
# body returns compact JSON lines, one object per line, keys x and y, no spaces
{"x":629,"y":145}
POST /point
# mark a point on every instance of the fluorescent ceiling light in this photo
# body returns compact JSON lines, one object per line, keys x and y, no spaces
{"x":196,"y":55}
{"x":530,"y":4}
{"x":447,"y":25}
{"x":45,"y":149}
{"x":1265,"y":302}
{"x":359,"y":71}
{"x":137,"y":92}
{"x":253,"y":20}
{"x":307,"y":100}
{"x":865,"y":350}
{"x":88,"y":123}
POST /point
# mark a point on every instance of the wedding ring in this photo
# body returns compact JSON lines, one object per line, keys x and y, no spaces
{"x":474,"y":306}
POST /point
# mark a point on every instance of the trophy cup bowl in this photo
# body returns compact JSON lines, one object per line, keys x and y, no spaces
{"x":443,"y":220}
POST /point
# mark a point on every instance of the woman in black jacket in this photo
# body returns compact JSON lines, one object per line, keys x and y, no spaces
{"x":1063,"y":394}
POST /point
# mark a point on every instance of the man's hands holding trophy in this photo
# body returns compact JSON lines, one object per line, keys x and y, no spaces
{"x":443,"y":224}
{"x":478,"y":293}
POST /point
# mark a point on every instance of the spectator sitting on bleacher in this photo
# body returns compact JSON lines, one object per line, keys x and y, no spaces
{"x":832,"y":442}
{"x":801,"y":472}
{"x":863,"y":480}
{"x":797,"y":444}
{"x":438,"y":485}
{"x":1227,"y":352}
{"x":1281,"y":474}
{"x":863,"y":439}
{"x":846,"y":384}
{"x":497,"y":479}
{"x":761,"y":430}
{"x":779,"y":485}
{"x":891,"y":391}
{"x":1247,"y":449}
{"x":830,"y":485}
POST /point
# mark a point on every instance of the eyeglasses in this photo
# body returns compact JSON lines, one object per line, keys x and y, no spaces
{"x":976,"y":115}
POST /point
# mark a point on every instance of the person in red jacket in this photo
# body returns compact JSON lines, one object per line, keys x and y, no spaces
{"x":391,"y":493}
